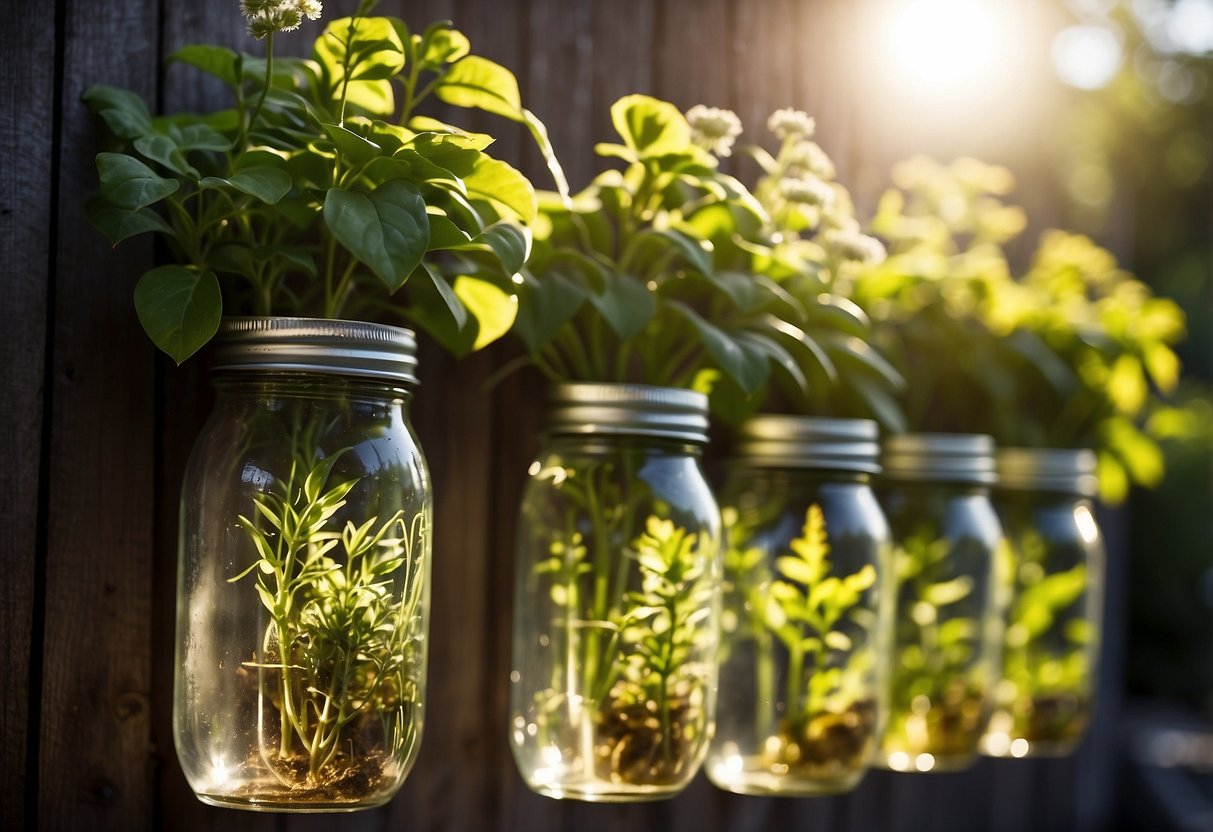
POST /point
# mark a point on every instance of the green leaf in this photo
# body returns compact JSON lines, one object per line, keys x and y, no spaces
{"x":884,"y":408}
{"x":511,"y":244}
{"x":480,"y":83}
{"x":444,"y":234}
{"x":266,"y":183}
{"x":503,"y":187}
{"x":354,"y":149}
{"x":444,"y":45}
{"x":860,"y":355}
{"x":375,"y":55}
{"x":179,"y":308}
{"x":387,"y":229}
{"x":443,"y":289}
{"x":545,"y":304}
{"x":493,"y":309}
{"x":690,"y":249}
{"x":625,"y":304}
{"x":745,"y":365}
{"x":120,"y":223}
{"x":128,"y":183}
{"x":649,"y":126}
{"x":540,"y":134}
{"x":213,"y":60}
{"x":948,"y":592}
{"x":123,"y":112}
{"x":162,"y":149}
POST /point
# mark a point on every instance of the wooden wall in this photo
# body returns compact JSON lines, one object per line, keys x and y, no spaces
{"x":95,"y":427}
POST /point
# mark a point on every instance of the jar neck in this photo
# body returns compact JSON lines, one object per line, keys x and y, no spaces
{"x":740,"y":467}
{"x":601,"y":444}
{"x":949,"y":489}
{"x":312,"y":386}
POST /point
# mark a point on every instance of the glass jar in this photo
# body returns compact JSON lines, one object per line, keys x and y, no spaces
{"x":617,"y":595}
{"x":804,"y":626}
{"x":1051,"y":643}
{"x":947,"y":542}
{"x":303,"y":578}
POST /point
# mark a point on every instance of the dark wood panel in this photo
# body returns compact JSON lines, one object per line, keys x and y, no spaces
{"x":94,"y":766}
{"x":692,"y":61}
{"x":624,"y":35}
{"x":183,"y":404}
{"x":27,"y":117}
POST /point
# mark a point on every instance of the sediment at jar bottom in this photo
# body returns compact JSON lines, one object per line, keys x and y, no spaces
{"x":635,"y":745}
{"x":948,"y":729}
{"x":1049,"y":723}
{"x":826,"y":747}
{"x":367,"y":778}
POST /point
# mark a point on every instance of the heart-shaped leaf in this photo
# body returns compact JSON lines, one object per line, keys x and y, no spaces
{"x":119,"y":223}
{"x":387,"y":229}
{"x":268,"y":184}
{"x":128,"y":183}
{"x":179,"y":308}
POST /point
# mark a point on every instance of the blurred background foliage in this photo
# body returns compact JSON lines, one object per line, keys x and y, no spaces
{"x":1135,"y":157}
{"x":1094,"y":116}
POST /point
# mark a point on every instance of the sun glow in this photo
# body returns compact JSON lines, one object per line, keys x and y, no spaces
{"x":943,"y":44}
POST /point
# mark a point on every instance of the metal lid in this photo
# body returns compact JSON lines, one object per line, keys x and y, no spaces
{"x":628,"y":409}
{"x":317,"y":345}
{"x":940,"y":457}
{"x":1069,"y":470}
{"x":777,"y":441}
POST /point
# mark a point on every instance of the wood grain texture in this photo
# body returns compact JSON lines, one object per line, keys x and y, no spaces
{"x":27,"y":116}
{"x":94,"y":762}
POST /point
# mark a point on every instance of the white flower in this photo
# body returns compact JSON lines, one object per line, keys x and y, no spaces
{"x":808,"y":157}
{"x":790,"y":123}
{"x":268,"y":16}
{"x":713,"y":128}
{"x":848,"y":244}
{"x":808,"y":190}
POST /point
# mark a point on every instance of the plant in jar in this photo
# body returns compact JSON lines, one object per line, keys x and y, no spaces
{"x":1068,"y":354}
{"x":323,"y":190}
{"x":816,"y":617}
{"x":339,"y":646}
{"x":940,"y":703}
{"x":1047,"y":650}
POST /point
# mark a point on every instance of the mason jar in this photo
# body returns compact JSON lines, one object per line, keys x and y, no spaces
{"x":947,"y":549}
{"x":303,"y":578}
{"x":1051,"y":645}
{"x":804,"y":626}
{"x":617,"y":596}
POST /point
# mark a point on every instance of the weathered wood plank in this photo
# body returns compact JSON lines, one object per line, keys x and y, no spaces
{"x":559,"y":81}
{"x":94,"y":737}
{"x":692,"y":61}
{"x":184,"y":402}
{"x":624,"y":42}
{"x":27,"y":116}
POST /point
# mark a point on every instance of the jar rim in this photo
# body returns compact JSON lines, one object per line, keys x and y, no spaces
{"x":773,"y":440}
{"x":604,"y":408}
{"x":963,"y":458}
{"x":1065,"y":470}
{"x":317,"y":345}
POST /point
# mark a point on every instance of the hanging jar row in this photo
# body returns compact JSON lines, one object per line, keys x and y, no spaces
{"x":833,"y":620}
{"x":304,"y":584}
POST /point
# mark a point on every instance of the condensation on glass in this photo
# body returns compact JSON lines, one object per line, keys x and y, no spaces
{"x":948,"y":545}
{"x":303,"y":578}
{"x":617,"y":594}
{"x":806,"y":613}
{"x":1044,"y":701}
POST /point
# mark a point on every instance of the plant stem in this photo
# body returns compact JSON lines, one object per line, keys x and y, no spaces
{"x":265,"y":89}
